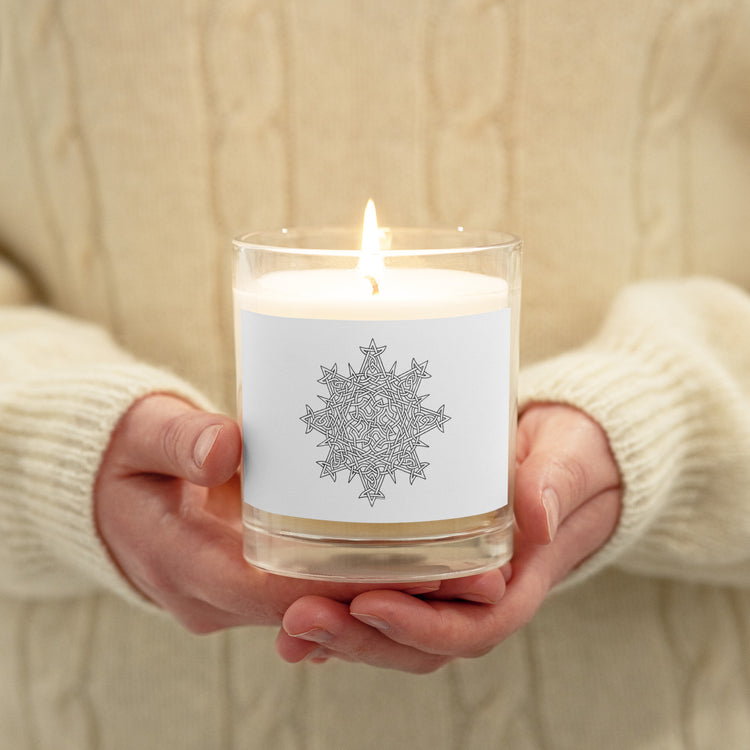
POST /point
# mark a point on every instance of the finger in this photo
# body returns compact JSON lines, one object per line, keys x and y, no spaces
{"x":485,"y":588}
{"x":165,"y":435}
{"x":566,"y":460}
{"x":457,"y":629}
{"x":442,"y":628}
{"x":314,"y":622}
{"x":196,"y":556}
{"x":295,"y":650}
{"x":225,"y":503}
{"x":583,"y":533}
{"x":191,"y":554}
{"x":199,"y":617}
{"x":173,"y":547}
{"x":454,"y":629}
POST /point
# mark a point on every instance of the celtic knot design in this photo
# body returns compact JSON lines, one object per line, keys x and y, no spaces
{"x":373,"y":421}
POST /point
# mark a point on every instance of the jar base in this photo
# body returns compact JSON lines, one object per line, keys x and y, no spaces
{"x":379,"y":560}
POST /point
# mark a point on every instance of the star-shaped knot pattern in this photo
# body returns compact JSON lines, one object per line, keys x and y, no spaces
{"x":373,"y":421}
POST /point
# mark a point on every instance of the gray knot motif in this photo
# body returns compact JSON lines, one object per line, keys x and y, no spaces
{"x":373,"y":421}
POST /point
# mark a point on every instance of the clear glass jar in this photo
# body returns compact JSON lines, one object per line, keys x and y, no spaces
{"x":378,"y":401}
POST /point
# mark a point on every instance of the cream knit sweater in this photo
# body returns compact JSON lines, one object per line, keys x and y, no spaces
{"x":137,"y":136}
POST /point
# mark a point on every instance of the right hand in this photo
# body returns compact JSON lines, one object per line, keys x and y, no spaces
{"x":167,"y":506}
{"x":567,"y":505}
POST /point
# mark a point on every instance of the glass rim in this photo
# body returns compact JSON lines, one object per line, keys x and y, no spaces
{"x":271,"y":241}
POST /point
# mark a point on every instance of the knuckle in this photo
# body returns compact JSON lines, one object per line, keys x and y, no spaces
{"x":461,"y":643}
{"x":173,"y":439}
{"x":189,"y":513}
{"x":572,"y":473}
{"x":198,"y":625}
{"x":152,"y":578}
{"x":430,"y":665}
{"x":479,"y":651}
{"x":155,"y":573}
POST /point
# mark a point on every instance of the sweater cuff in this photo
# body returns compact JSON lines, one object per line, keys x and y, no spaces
{"x":75,"y":414}
{"x":645,"y":400}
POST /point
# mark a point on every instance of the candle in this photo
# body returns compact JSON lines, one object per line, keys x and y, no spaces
{"x":377,"y":399}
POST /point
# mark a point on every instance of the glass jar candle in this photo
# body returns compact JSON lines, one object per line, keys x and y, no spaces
{"x":377,"y":397}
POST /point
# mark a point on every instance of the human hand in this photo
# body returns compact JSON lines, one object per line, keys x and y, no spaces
{"x":567,"y":504}
{"x":167,"y":506}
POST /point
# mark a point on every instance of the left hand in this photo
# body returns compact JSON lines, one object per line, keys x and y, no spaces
{"x":167,"y":507}
{"x":567,"y":504}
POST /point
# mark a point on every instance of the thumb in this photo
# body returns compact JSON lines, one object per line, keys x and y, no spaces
{"x":163,"y":434}
{"x":566,"y":461}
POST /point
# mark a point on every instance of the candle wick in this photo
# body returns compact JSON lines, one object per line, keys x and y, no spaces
{"x":375,"y":287}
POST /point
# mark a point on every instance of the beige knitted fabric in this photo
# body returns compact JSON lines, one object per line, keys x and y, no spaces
{"x":136,"y":137}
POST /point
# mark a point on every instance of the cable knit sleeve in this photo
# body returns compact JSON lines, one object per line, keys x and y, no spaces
{"x":63,"y":387}
{"x":668,"y":378}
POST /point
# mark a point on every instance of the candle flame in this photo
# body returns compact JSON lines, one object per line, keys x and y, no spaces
{"x":371,"y":265}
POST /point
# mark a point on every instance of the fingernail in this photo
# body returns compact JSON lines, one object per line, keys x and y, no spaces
{"x":507,"y":571}
{"x":318,"y":655}
{"x":205,"y":443}
{"x":551,"y":504}
{"x":426,"y":588}
{"x":316,"y":635}
{"x":372,"y":621}
{"x":477,"y":598}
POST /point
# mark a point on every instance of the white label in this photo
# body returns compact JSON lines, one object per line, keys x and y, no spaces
{"x":376,"y":421}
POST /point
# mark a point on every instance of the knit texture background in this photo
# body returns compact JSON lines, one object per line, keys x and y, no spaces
{"x":137,"y":137}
